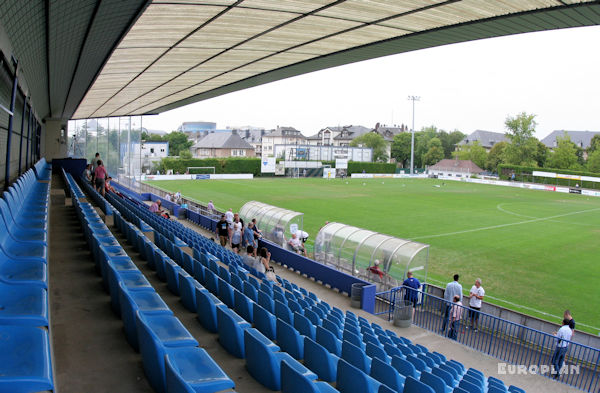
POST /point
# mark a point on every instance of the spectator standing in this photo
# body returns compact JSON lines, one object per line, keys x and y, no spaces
{"x":248,"y":237}
{"x":563,"y":336}
{"x":567,"y":315}
{"x":477,"y":293}
{"x":211,"y":208}
{"x":257,"y":232}
{"x":95,"y":162}
{"x":100,"y":175}
{"x":229,"y":218}
{"x":456,"y":312}
{"x":178,"y":196}
{"x":88,"y":173}
{"x":223,"y":230}
{"x":411,"y":292}
{"x":236,"y":237}
{"x":452,"y":289}
{"x":168,"y":197}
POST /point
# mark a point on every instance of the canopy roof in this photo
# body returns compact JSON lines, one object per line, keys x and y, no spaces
{"x":92,"y":58}
{"x":275,"y":223}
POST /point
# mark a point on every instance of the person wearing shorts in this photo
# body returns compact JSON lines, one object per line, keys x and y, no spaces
{"x":477,"y":293}
{"x":223,"y":230}
{"x":100,"y":176}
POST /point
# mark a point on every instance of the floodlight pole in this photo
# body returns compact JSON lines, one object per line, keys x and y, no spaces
{"x":412,"y":139}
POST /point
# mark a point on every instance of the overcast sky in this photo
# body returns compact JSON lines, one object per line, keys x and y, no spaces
{"x":468,"y":86}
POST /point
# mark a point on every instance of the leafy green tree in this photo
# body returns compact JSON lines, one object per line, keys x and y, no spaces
{"x":495,"y":156}
{"x":449,"y":141}
{"x":401,"y":148}
{"x":593,"y":162}
{"x":541,"y":154}
{"x":523,"y":145}
{"x":594,"y":144}
{"x":375,"y":142}
{"x":178,"y":142}
{"x":564,"y":155}
{"x":435,"y":152}
{"x":185,"y":154}
{"x":474,"y":152}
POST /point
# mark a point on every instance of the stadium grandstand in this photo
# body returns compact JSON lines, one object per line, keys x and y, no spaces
{"x":98,"y":294}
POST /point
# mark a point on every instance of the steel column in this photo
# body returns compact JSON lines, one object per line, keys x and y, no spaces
{"x":22,"y":130}
{"x":10,"y":126}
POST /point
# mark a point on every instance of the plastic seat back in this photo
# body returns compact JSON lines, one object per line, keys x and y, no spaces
{"x":231,"y":331}
{"x":289,"y":339}
{"x":444,"y":375}
{"x":265,"y":300}
{"x":470,"y":387}
{"x":189,"y":370}
{"x":250,"y":291}
{"x":387,"y":375}
{"x":412,"y":385}
{"x":333,"y":328}
{"x":243,"y":306}
{"x":375,"y":351}
{"x":206,"y":308}
{"x":351,"y":379}
{"x":329,"y":341}
{"x":264,"y":321}
{"x":435,"y":382}
{"x":356,"y":356}
{"x":405,"y":367}
{"x":304,"y":326}
{"x":283,"y":312}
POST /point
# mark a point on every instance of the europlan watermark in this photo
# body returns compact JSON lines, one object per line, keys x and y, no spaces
{"x":521,"y":369}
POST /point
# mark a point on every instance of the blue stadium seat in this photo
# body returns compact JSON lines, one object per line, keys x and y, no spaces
{"x":156,"y":334}
{"x":393,"y":350}
{"x":29,"y":273}
{"x":419,"y":364}
{"x":187,"y":291}
{"x":356,"y":357}
{"x":451,"y":370}
{"x":446,"y":376}
{"x":172,"y":273}
{"x":250,"y":291}
{"x":134,"y":280}
{"x":148,"y":302}
{"x":493,"y":388}
{"x":428,"y":361}
{"x":351,"y":379}
{"x":264,"y":321}
{"x":374,"y":351}
{"x":435,"y":382}
{"x":412,"y":385}
{"x":289,"y":339}
{"x":470,"y":387}
{"x":304,"y":326}
{"x":23,"y":305}
{"x":265,"y":300}
{"x":25,"y":362}
{"x":206,"y":308}
{"x":329,"y":341}
{"x":226,"y":293}
{"x":243,"y":306}
{"x":191,"y":369}
{"x":387,"y":375}
{"x":264,"y":364}
{"x":405,"y":367}
{"x":211,"y":281}
{"x":514,"y":389}
{"x":231,"y":331}
{"x":312,"y":316}
{"x":293,"y":381}
{"x":474,"y":380}
{"x":333,"y":328}
{"x":237,"y":282}
{"x":318,"y":359}
{"x":283,"y":312}
{"x":347,"y":335}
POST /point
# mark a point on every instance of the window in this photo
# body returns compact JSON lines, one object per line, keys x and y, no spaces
{"x":162,"y":150}
{"x":151,"y":150}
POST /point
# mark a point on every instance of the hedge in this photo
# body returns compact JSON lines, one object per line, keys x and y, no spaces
{"x":252,"y":165}
{"x":524,"y":173}
{"x":222,"y":165}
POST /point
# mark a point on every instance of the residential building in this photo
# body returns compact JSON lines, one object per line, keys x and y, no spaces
{"x":252,"y":135}
{"x":336,"y":136}
{"x":323,"y":153}
{"x":197,"y":126}
{"x":580,"y":138}
{"x":222,"y":144}
{"x":455,"y":168}
{"x":150,"y":152}
{"x":281,"y":136}
{"x":487,"y":139}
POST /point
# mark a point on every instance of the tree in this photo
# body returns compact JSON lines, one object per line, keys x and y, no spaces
{"x":495,"y":156}
{"x":474,"y":152}
{"x":375,"y":142}
{"x":564,"y":155}
{"x":185,"y":154}
{"x":541,"y":154}
{"x":178,"y":142}
{"x":594,"y":161}
{"x":401,"y":148}
{"x":594,"y":144}
{"x":523,"y":145}
{"x":449,"y":141}
{"x":435,"y":152}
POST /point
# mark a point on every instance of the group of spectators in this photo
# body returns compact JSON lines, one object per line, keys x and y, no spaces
{"x":175,"y":197}
{"x":231,"y":230}
{"x":96,"y":174}
{"x":453,"y":311}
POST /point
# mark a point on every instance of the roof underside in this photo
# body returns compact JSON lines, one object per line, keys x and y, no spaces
{"x":115,"y":58}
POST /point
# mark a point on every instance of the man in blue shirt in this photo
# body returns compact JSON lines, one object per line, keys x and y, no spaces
{"x":452,"y":289}
{"x":411,"y":292}
{"x":248,"y":238}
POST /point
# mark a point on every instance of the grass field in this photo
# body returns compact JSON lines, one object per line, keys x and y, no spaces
{"x":538,"y":250}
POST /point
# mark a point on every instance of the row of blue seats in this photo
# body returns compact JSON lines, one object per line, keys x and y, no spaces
{"x":400,"y":359}
{"x":171,"y":358}
{"x":25,"y":355}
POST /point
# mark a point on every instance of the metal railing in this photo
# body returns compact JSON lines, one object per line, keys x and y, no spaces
{"x":529,"y":349}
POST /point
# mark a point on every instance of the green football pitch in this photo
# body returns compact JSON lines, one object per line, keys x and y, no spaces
{"x":537,"y":252}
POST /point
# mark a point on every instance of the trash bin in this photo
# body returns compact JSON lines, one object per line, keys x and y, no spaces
{"x":403,"y":313}
{"x":356,"y":294}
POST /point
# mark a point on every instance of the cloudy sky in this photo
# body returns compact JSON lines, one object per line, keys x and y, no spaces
{"x":469,"y":86}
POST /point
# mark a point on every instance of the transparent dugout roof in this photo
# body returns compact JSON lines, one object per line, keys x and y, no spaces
{"x":275,"y":223}
{"x":358,"y":251}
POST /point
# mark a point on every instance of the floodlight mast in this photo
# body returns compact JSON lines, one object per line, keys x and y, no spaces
{"x":412,"y":139}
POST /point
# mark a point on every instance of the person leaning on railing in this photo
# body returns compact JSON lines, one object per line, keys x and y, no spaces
{"x":455,"y":316}
{"x":452,"y":289}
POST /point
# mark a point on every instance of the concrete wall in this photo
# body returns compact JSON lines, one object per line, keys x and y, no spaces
{"x":526,"y":320}
{"x":54,"y":142}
